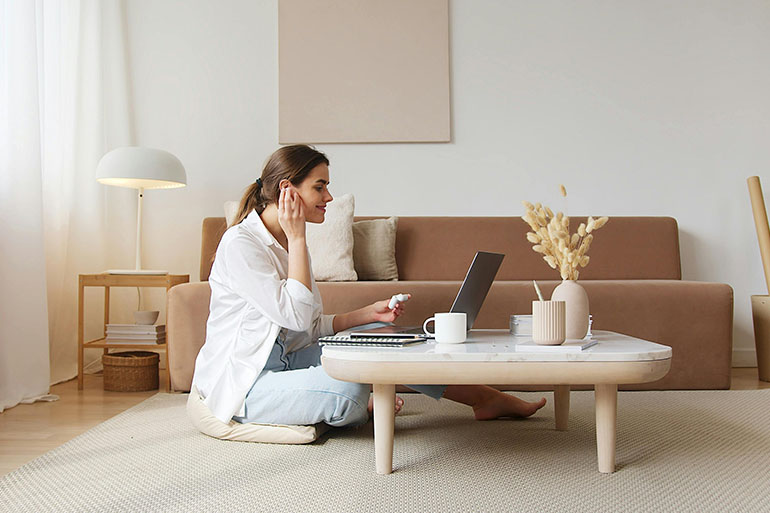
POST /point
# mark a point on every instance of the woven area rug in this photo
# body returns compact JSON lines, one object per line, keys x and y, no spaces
{"x":676,"y":451}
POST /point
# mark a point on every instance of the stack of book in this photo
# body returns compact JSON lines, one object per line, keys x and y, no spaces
{"x":568,"y":346}
{"x":136,"y":334}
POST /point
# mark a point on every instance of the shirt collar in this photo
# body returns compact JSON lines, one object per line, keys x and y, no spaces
{"x":254,"y":225}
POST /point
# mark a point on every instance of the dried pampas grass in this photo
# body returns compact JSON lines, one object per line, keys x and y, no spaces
{"x":551,"y":237}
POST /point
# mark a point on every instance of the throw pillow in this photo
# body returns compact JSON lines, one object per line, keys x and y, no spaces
{"x":331,"y":242}
{"x":231,"y":210}
{"x":374,"y":249}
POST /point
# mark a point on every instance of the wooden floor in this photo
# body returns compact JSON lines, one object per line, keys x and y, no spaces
{"x":29,"y":430}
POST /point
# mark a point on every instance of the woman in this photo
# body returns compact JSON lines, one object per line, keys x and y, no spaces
{"x":261,"y":359}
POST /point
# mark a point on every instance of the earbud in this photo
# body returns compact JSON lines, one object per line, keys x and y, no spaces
{"x":396,"y":299}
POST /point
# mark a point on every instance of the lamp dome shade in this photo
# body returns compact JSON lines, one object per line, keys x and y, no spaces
{"x":145,"y":168}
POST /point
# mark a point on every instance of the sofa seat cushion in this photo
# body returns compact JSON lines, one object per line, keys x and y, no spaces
{"x":694,"y":318}
{"x":208,"y":424}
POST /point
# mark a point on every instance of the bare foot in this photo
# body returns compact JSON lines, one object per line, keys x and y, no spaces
{"x":398,"y":405}
{"x":505,"y":405}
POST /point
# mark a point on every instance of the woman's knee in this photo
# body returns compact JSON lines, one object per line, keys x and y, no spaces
{"x":350,"y":405}
{"x":307,"y":396}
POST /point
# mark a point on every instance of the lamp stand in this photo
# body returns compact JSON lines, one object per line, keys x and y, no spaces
{"x":138,"y":270}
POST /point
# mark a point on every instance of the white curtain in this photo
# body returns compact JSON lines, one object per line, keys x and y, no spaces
{"x":63,"y":103}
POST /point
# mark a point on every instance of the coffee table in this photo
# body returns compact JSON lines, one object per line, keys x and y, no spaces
{"x":490,"y":357}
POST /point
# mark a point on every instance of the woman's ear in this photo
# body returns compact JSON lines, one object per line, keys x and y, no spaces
{"x":283,"y":184}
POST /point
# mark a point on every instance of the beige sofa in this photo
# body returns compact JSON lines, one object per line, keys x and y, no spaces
{"x":633,"y":282}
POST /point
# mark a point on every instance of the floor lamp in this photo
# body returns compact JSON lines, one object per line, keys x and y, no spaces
{"x":140,"y":169}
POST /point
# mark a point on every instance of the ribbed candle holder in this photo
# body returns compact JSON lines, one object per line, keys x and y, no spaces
{"x":549,"y":322}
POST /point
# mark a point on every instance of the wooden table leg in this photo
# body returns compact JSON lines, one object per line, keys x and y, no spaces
{"x":106,"y":315}
{"x":81,"y":328}
{"x":561,"y":406}
{"x":606,"y":397}
{"x":384,"y":423}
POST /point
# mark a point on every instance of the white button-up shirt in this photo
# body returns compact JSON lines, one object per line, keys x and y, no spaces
{"x":252,"y":299}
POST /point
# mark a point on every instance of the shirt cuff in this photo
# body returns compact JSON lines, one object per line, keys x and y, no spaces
{"x":327,"y":325}
{"x":299,"y":292}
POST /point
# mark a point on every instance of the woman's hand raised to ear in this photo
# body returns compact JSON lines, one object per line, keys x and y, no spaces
{"x":291,"y":214}
{"x":291,"y":217}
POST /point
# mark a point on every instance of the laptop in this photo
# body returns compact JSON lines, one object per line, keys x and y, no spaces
{"x":469,"y":299}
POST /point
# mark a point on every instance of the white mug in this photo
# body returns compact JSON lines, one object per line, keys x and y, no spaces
{"x":450,"y":327}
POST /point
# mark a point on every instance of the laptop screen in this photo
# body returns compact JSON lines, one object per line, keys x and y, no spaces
{"x":476,"y":285}
{"x":469,"y":299}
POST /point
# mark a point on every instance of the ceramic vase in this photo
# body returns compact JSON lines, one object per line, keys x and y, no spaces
{"x":576,"y":298}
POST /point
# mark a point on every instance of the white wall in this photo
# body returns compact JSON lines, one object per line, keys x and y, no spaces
{"x":638,"y":107}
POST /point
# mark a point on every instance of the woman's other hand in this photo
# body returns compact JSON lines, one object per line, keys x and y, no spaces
{"x":376,"y":312}
{"x":382,"y":313}
{"x":291,"y":214}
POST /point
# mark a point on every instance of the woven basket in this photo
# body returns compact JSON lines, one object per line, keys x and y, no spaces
{"x":130,"y":371}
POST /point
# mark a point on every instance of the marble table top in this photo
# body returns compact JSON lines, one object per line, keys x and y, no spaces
{"x":499,"y":346}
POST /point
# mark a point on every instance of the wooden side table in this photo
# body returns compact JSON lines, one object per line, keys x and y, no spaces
{"x":107,"y":280}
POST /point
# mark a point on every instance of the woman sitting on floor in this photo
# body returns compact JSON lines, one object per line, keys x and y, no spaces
{"x":261,"y":359}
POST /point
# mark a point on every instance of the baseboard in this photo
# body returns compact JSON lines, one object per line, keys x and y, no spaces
{"x":744,"y":358}
{"x":94,"y":367}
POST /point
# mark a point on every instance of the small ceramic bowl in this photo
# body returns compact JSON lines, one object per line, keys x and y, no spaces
{"x":146,"y":316}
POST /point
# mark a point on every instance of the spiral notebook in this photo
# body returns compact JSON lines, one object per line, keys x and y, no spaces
{"x":350,"y":340}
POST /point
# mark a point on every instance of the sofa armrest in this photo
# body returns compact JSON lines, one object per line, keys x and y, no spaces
{"x":694,"y":318}
{"x":187,"y":311}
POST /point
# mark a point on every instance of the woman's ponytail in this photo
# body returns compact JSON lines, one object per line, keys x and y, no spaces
{"x":251,"y":200}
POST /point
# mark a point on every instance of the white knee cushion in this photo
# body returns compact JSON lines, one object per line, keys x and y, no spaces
{"x":207,"y":423}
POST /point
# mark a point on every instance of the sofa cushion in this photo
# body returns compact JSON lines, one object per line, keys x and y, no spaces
{"x":374,"y":249}
{"x":331,"y":242}
{"x":441,"y":248}
{"x":626,"y":248}
{"x":694,"y":318}
{"x":231,"y":211}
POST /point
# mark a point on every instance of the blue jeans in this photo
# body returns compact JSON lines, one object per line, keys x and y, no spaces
{"x":294,"y":389}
